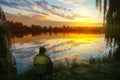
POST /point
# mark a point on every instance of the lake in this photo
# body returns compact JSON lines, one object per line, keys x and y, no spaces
{"x":60,"y":47}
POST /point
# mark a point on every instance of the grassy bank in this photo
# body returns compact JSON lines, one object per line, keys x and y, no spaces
{"x":105,"y":68}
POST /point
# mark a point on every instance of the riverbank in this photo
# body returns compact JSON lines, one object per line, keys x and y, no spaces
{"x":105,"y":68}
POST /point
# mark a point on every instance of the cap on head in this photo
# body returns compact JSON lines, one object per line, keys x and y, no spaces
{"x":42,"y":50}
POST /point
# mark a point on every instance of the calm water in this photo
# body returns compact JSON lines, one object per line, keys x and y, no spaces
{"x":59,"y":48}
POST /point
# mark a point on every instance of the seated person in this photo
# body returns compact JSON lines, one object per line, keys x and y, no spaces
{"x":42,"y":63}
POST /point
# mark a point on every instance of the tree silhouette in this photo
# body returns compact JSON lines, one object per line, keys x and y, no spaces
{"x":111,"y":11}
{"x":7,"y":61}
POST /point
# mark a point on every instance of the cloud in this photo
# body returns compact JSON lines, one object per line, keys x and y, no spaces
{"x":35,"y":19}
{"x":26,"y":19}
{"x":42,"y":7}
{"x":43,"y":21}
{"x":16,"y":3}
{"x":73,"y":2}
{"x":72,"y":57}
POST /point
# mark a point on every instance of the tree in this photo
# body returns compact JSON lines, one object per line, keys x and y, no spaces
{"x":111,"y":11}
{"x":7,"y":61}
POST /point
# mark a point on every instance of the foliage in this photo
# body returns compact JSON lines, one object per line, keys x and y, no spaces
{"x":19,"y":30}
{"x":99,"y":70}
{"x":7,"y":62}
{"x":111,"y":11}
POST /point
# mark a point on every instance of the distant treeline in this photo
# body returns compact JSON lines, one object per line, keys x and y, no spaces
{"x":17,"y":29}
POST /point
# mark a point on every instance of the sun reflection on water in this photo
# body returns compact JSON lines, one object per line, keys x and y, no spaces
{"x":59,"y":47}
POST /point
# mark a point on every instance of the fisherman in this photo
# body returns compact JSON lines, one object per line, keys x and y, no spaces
{"x":42,"y":63}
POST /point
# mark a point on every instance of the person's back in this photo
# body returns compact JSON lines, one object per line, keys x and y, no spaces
{"x":41,"y":59}
{"x":42,"y":63}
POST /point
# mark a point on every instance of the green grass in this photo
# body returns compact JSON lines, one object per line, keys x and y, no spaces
{"x":81,"y":72}
{"x":100,"y":68}
{"x":104,"y":68}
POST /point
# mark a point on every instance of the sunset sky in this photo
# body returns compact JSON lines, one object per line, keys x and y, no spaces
{"x":52,"y":12}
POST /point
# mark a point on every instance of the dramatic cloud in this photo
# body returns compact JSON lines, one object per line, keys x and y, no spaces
{"x":42,"y":20}
{"x":29,"y":5}
{"x":31,"y":11}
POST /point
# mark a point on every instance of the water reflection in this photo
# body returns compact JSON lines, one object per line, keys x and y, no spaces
{"x":59,"y":47}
